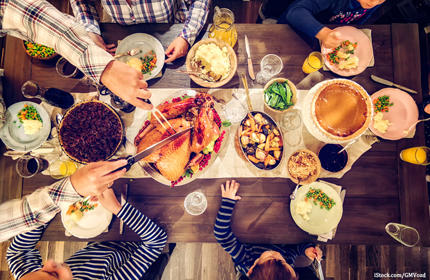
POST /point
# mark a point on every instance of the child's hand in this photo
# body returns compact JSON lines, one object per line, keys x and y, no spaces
{"x":314,"y":252}
{"x":230,"y":190}
{"x":329,"y":38}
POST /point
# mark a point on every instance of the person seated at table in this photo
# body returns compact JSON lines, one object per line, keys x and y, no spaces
{"x":259,"y":262}
{"x":305,"y":16}
{"x":98,"y":260}
{"x":40,"y":22}
{"x":139,"y":11}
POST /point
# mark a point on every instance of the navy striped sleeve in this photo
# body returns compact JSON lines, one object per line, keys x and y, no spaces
{"x":153,"y":239}
{"x":22,"y":256}
{"x":224,"y":234}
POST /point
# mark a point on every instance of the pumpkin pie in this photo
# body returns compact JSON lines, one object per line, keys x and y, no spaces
{"x":342,"y":109}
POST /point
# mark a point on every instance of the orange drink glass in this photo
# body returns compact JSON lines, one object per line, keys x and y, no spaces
{"x":313,"y":62}
{"x":416,"y":155}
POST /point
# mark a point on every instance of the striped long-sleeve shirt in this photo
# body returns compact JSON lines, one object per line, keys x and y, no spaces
{"x":244,"y":255}
{"x":104,"y":260}
{"x":193,"y":13}
{"x":40,"y":22}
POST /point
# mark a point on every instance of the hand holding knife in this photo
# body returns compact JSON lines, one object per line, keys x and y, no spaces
{"x":248,"y":52}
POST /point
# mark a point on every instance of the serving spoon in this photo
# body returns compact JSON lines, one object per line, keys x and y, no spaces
{"x":128,"y":53}
{"x":293,"y":194}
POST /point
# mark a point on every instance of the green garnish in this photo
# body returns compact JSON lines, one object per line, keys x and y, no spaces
{"x":318,"y":195}
{"x":279,"y":96}
{"x":382,"y":103}
{"x":226,"y":123}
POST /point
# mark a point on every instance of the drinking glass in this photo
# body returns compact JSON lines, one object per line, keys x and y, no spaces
{"x":235,"y":110}
{"x":404,"y":234}
{"x":67,"y":70}
{"x":292,"y":122}
{"x":270,"y":66}
{"x":313,"y":62}
{"x":116,"y":101}
{"x":62,"y":168}
{"x":416,"y":155}
{"x":330,"y":158}
{"x":195,"y":203}
{"x":27,"y":166}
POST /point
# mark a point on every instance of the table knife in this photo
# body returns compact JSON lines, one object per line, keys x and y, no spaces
{"x":248,"y":53}
{"x":320,"y":271}
{"x":133,"y":159}
{"x":124,"y":193}
{"x":391,"y":84}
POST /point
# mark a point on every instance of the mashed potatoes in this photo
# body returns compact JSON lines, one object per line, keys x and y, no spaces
{"x":135,"y":63}
{"x":31,"y":126}
{"x":303,"y":208}
{"x":379,"y":123}
{"x":348,"y":63}
{"x":213,"y":61}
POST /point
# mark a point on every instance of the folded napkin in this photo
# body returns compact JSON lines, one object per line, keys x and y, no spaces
{"x":368,"y":33}
{"x":330,"y":235}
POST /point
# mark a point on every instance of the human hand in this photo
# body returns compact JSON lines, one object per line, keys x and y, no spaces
{"x":178,"y":48}
{"x":329,"y":38}
{"x":94,"y":178}
{"x":98,"y":40}
{"x":314,"y":252}
{"x":127,"y":83}
{"x":230,"y":190}
{"x":109,"y":201}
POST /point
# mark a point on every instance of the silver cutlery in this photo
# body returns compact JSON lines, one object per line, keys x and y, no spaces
{"x":391,"y":84}
{"x":123,"y":201}
{"x":248,"y":52}
{"x":128,"y":53}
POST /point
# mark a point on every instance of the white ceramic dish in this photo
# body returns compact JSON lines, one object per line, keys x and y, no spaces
{"x":321,"y":220}
{"x":145,"y":43}
{"x":12,"y":133}
{"x":92,"y":224}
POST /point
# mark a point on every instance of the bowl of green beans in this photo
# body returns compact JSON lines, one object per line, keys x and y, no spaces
{"x":39,"y":51}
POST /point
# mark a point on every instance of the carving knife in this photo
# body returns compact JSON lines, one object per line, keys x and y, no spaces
{"x":248,"y":53}
{"x":133,"y":159}
{"x":391,"y":84}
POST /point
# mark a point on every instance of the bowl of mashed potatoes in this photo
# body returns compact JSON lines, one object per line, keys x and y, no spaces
{"x":211,"y":63}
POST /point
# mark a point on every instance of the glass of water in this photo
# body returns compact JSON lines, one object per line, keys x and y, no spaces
{"x":406,"y":235}
{"x":270,"y":66}
{"x":195,"y":203}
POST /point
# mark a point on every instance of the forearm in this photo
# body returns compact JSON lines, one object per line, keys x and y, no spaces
{"x":40,"y":22}
{"x":223,"y":232}
{"x":34,"y":210}
{"x":22,"y":256}
{"x":150,"y":233}
{"x":196,"y":19}
{"x":300,"y":15}
{"x":85,"y":11}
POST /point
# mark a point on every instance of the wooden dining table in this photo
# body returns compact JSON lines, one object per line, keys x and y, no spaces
{"x":380,"y":188}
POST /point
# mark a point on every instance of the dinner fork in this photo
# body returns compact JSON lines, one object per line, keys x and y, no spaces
{"x":154,"y":113}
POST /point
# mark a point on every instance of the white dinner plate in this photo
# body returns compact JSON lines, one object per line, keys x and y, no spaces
{"x":12,"y":133}
{"x":145,"y":43}
{"x":92,"y":224}
{"x":321,"y":220}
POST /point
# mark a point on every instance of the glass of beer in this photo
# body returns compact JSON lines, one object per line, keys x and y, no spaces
{"x":313,"y":62}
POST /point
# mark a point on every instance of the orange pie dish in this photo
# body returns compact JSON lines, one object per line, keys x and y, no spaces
{"x":342,"y":109}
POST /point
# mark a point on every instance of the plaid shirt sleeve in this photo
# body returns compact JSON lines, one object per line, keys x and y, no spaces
{"x":40,"y":22}
{"x":32,"y":211}
{"x":196,"y":19}
{"x":85,"y":11}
